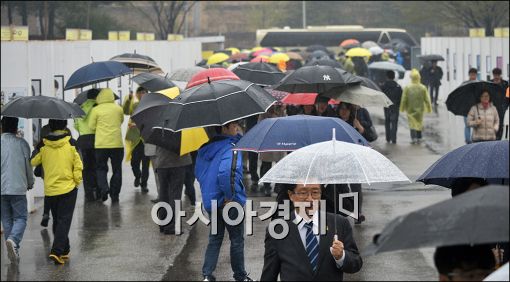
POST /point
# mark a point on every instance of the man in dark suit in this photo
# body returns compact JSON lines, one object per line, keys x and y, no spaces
{"x":304,"y":254}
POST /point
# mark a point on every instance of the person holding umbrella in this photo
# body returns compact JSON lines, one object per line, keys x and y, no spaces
{"x":415,"y":101}
{"x":135,"y":144}
{"x":434,"y":74}
{"x":503,"y":106}
{"x":484,"y":119}
{"x":393,"y":90}
{"x":464,"y":262}
{"x":105,"y":120}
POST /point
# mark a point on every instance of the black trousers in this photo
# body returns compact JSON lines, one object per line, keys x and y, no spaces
{"x":415,"y":134}
{"x":62,"y":209}
{"x":391,"y":123}
{"x":253,"y":159}
{"x":171,"y":181}
{"x":115,"y":155}
{"x":137,"y":157}
{"x":189,"y":178}
{"x":434,"y":92}
{"x":88,"y":157}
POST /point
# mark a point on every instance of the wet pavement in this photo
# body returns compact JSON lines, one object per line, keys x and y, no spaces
{"x":122,"y":243}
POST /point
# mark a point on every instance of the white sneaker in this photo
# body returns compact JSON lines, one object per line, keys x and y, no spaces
{"x":12,"y":251}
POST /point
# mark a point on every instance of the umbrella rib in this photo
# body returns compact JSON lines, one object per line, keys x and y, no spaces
{"x":309,"y":168}
{"x":363,"y":169}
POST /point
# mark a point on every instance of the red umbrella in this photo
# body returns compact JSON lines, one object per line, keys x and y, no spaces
{"x":212,"y":74}
{"x":304,"y":99}
{"x":239,"y":57}
{"x":264,"y":51}
{"x":350,"y":43}
{"x":259,"y":59}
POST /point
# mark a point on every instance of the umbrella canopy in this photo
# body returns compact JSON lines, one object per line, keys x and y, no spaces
{"x":476,"y":217}
{"x":217,"y":58}
{"x":315,"y":79}
{"x":334,"y":162}
{"x":239,"y":57}
{"x":260,"y":59}
{"x":360,"y":95}
{"x":324,"y":62}
{"x":376,"y":50}
{"x":137,"y":62}
{"x":294,"y":132}
{"x":89,"y":94}
{"x":263,"y":51}
{"x":147,"y":118}
{"x":491,"y":164}
{"x":276,"y":58}
{"x":214,"y":104}
{"x":153,"y":82}
{"x":350,"y":43}
{"x":212,"y":74}
{"x":278,"y":95}
{"x":314,"y":47}
{"x":318,"y":55}
{"x":358,"y":52}
{"x":41,"y":107}
{"x":468,"y":93}
{"x":367,"y":82}
{"x":304,"y":99}
{"x":95,"y":73}
{"x":234,"y":50}
{"x":184,"y":74}
{"x":235,"y":65}
{"x":262,"y":74}
{"x":369,"y":44}
{"x":387,"y":66}
{"x":499,"y":275}
{"x":294,"y":56}
{"x":431,"y":57}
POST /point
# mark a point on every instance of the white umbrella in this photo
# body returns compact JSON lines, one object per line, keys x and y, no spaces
{"x":499,"y":275}
{"x":334,"y":162}
{"x":233,"y":66}
{"x":376,"y":50}
{"x":362,"y":96}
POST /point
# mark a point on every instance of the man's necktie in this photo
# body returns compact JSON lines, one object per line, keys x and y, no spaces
{"x":312,"y":246}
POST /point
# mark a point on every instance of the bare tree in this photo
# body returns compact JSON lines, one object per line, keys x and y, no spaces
{"x":165,"y":16}
{"x":486,"y":14}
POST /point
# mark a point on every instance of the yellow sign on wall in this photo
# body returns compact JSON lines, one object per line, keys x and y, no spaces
{"x":505,"y":31}
{"x":20,"y":33}
{"x":72,"y":34}
{"x":124,"y":35}
{"x":85,"y":34}
{"x":175,"y":37}
{"x":6,"y":33}
{"x":113,"y":35}
{"x":150,"y":36}
{"x":140,"y":36}
{"x":477,"y":32}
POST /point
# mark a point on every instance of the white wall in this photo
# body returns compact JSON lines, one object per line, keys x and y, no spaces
{"x":24,"y":61}
{"x":463,"y":52}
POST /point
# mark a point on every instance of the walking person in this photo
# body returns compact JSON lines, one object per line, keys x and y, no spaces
{"x":472,"y":73}
{"x":220,"y":174}
{"x":171,"y":171}
{"x":17,"y":178}
{"x":253,"y":157}
{"x":135,"y":144}
{"x":394,"y":92}
{"x":415,"y":101}
{"x":85,"y":144}
{"x":189,"y":179}
{"x":434,"y":74}
{"x":501,"y":107}
{"x":63,"y":173}
{"x":305,"y":254}
{"x":105,"y":120}
{"x":484,"y":119}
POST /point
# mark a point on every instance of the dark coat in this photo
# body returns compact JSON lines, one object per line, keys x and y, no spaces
{"x":394,"y":92}
{"x":434,"y":75}
{"x":287,"y":257}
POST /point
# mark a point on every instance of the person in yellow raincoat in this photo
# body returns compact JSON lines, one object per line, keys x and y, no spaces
{"x":416,"y":102}
{"x":134,"y":143}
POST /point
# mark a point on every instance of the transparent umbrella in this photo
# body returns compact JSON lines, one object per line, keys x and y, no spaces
{"x":359,"y":95}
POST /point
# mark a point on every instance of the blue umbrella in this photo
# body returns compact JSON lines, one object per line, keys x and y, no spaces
{"x":488,"y":160}
{"x":294,"y":132}
{"x":95,"y":73}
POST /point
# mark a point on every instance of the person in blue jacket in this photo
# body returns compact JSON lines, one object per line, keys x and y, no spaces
{"x":219,"y":171}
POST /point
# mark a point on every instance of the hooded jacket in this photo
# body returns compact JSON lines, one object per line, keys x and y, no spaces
{"x":86,"y":139}
{"x":61,"y":164}
{"x":106,"y":119}
{"x":219,"y":178}
{"x":415,"y":101}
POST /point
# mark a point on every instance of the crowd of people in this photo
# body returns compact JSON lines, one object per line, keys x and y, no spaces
{"x":64,"y":163}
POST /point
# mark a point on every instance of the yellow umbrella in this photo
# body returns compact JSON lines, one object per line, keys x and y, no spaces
{"x":234,"y":50}
{"x":278,"y":57}
{"x":256,"y":48}
{"x":358,"y":52}
{"x":170,"y":92}
{"x":217,"y":58}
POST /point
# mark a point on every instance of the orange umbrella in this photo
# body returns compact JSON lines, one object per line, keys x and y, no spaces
{"x":304,"y":99}
{"x":350,"y":43}
{"x":259,"y":59}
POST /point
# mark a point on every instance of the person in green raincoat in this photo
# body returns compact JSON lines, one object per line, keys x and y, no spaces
{"x":415,"y":101}
{"x":134,"y":143}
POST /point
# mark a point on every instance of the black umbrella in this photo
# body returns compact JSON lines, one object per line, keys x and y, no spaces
{"x":153,"y":82}
{"x":316,"y":79}
{"x":41,"y":107}
{"x":315,"y":47}
{"x":263,"y":74}
{"x":213,"y":104}
{"x":95,"y":73}
{"x":318,"y":55}
{"x":468,"y":93}
{"x":89,"y":94}
{"x":324,"y":62}
{"x":431,"y":57}
{"x":476,"y":217}
{"x":367,"y":82}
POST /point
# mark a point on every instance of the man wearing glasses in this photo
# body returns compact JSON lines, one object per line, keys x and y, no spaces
{"x":304,"y":253}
